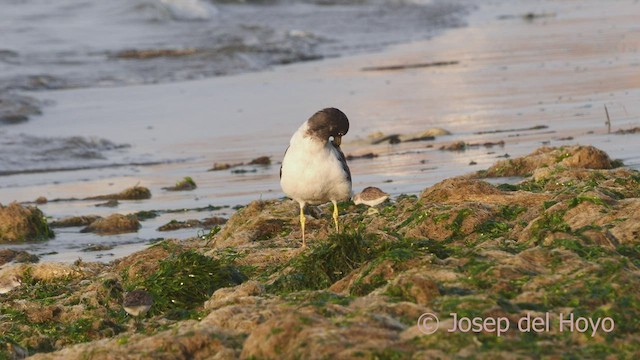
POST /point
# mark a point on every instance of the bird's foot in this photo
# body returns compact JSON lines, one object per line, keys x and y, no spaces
{"x":372,"y":211}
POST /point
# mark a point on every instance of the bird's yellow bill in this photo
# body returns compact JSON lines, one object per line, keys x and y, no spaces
{"x":337,"y":140}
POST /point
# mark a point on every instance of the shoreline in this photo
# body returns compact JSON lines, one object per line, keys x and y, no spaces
{"x":496,"y":84}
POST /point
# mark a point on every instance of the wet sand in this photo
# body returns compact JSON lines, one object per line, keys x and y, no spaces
{"x":558,"y":70}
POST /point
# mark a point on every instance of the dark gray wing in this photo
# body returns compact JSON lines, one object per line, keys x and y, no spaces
{"x":343,"y":161}
{"x":285,"y":154}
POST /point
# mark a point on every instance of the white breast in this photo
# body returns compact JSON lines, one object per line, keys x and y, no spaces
{"x":312,"y":172}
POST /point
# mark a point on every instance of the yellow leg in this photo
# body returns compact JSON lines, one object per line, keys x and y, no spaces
{"x":335,"y":215}
{"x":302,"y":221}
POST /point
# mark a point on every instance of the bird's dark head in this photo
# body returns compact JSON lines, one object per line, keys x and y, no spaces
{"x":327,"y":123}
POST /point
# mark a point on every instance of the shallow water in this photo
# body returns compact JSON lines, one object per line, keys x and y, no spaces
{"x":48,"y":45}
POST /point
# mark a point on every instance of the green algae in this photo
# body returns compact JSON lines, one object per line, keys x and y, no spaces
{"x":186,"y":280}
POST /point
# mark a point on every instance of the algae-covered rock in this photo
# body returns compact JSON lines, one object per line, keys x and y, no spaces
{"x":75,"y":221}
{"x":186,"y":184}
{"x":584,"y":157}
{"x":114,"y":224}
{"x":184,"y":281}
{"x":132,"y":193}
{"x":262,"y":160}
{"x":8,"y":255}
{"x":19,"y":223}
{"x":207,"y":223}
{"x":563,"y":242}
{"x":17,"y":108}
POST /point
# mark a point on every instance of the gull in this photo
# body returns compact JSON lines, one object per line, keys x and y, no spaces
{"x":314,"y":170}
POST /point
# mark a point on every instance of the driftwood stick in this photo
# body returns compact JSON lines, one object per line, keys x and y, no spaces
{"x":409,"y":66}
{"x":608,"y":122}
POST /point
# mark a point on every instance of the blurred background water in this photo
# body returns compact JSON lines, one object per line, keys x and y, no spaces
{"x":84,"y":148}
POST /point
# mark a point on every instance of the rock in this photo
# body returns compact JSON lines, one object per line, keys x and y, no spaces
{"x":132,"y":193}
{"x":140,"y":264}
{"x":218,"y":167}
{"x":262,"y":160}
{"x":174,"y":225}
{"x":633,"y":130}
{"x":109,"y":203}
{"x":369,"y":155}
{"x":186,"y":184}
{"x":419,"y":287}
{"x":155,"y":53}
{"x":240,"y":294}
{"x":17,"y":108}
{"x":207,"y":223}
{"x":8,"y":255}
{"x":460,"y":189}
{"x":456,"y":146}
{"x":213,"y":221}
{"x":46,"y":272}
{"x":41,"y":200}
{"x":586,"y":157}
{"x":18,"y":223}
{"x":583,"y":157}
{"x":391,"y":139}
{"x":114,"y":224}
{"x":75,"y":221}
{"x":566,"y":242}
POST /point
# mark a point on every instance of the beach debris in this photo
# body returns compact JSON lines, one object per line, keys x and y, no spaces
{"x":146,"y":214}
{"x":497,"y":131}
{"x":608,"y":122}
{"x":155,"y":53}
{"x":456,"y":146}
{"x":425,"y":135}
{"x":132,"y":193}
{"x":113,"y":224}
{"x":391,"y":139}
{"x":634,"y":130}
{"x":207,"y":223}
{"x":186,"y":184}
{"x":97,"y":247}
{"x":262,"y":160}
{"x":220,"y":166}
{"x":74,"y":221}
{"x":461,"y":145}
{"x":210,"y":222}
{"x":369,"y":155}
{"x":19,"y":223}
{"x":243,"y":171}
{"x":530,"y":16}
{"x":410,"y":66}
{"x":109,"y":203}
